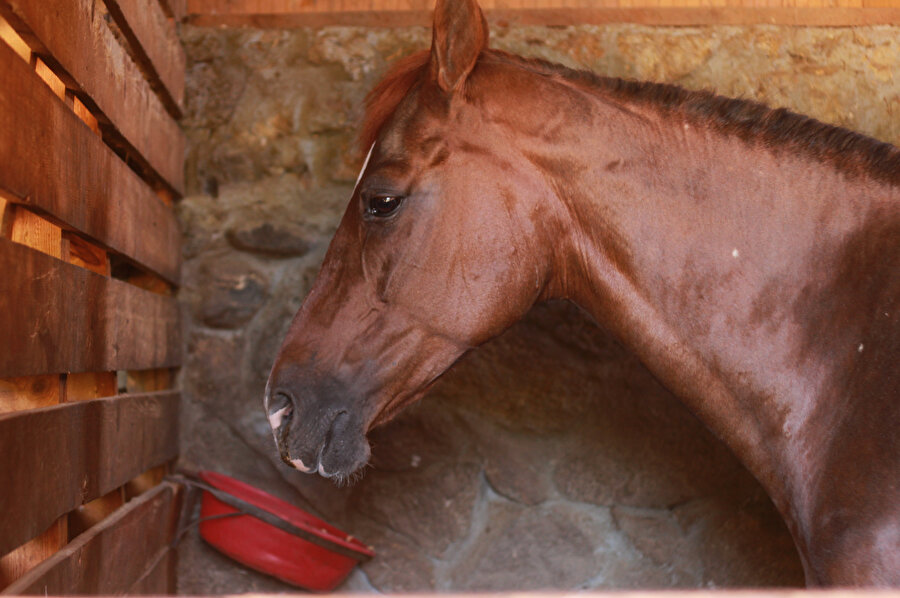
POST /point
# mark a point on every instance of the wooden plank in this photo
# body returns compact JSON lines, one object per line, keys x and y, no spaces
{"x":6,"y":212}
{"x":60,"y":167}
{"x":90,"y":385}
{"x":31,"y":230}
{"x":160,"y":579}
{"x":62,"y":456}
{"x":112,"y":556}
{"x":145,"y":481}
{"x":49,"y":77}
{"x":174,"y":9}
{"x":68,"y":319}
{"x":149,"y":380}
{"x":30,"y":392}
{"x":155,"y":46}
{"x":26,"y":557}
{"x":91,"y":513}
{"x":282,"y":14}
{"x":85,"y":254}
{"x":85,"y":115}
{"x":9,"y":35}
{"x":76,"y":42}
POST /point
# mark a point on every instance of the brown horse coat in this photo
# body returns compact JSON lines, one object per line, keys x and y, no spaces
{"x":750,"y":257}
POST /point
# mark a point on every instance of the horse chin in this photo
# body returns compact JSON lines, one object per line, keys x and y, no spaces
{"x":344,"y":459}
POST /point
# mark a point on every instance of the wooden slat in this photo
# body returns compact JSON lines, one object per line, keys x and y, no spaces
{"x":74,"y":39}
{"x":63,"y":318}
{"x":149,"y":380}
{"x":58,"y":166}
{"x":49,"y":77}
{"x":29,"y":392}
{"x":82,"y":253}
{"x":145,"y":481}
{"x":31,"y":230}
{"x":91,"y":513}
{"x":59,"y":457}
{"x":111,"y":557}
{"x":26,"y":557}
{"x":155,"y":46}
{"x":159,"y":580}
{"x":8,"y":35}
{"x":85,"y":386}
{"x":174,"y":9}
{"x":85,"y":115}
{"x":366,"y":13}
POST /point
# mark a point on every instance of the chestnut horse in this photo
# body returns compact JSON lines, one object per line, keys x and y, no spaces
{"x":749,"y":257}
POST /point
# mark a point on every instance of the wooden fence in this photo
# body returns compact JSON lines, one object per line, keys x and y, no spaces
{"x":91,"y":160}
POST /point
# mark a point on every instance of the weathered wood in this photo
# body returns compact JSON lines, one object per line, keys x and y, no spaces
{"x":35,"y":232}
{"x":160,"y":579}
{"x":174,"y":9}
{"x":62,"y":318}
{"x":91,"y":513}
{"x":145,"y":481}
{"x":155,"y":46}
{"x":26,"y":557}
{"x":6,"y":209}
{"x":9,"y":35}
{"x":291,"y":6}
{"x":58,"y":166}
{"x":82,"y":253}
{"x":372,"y":13}
{"x":85,"y":115}
{"x":59,"y":457}
{"x":76,"y":42}
{"x":111,"y":557}
{"x":149,"y":380}
{"x":30,"y":392}
{"x":49,"y":77}
{"x":90,"y":385}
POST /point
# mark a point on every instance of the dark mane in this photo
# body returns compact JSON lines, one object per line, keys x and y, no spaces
{"x":852,"y":153}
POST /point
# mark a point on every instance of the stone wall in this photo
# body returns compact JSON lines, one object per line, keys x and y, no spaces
{"x":549,"y":458}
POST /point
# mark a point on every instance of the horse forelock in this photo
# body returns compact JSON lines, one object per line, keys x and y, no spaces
{"x":385,"y":97}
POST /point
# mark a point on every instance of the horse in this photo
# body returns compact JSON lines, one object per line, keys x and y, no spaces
{"x":749,"y":257}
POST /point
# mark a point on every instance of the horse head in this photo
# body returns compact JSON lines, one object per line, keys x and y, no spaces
{"x":440,"y":249}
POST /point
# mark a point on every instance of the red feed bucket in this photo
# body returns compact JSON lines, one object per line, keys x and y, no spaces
{"x":296,"y":547}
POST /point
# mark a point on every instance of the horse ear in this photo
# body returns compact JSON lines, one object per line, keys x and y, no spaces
{"x":460,"y":34}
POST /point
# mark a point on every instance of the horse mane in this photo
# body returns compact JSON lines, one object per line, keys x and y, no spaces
{"x":850,"y":152}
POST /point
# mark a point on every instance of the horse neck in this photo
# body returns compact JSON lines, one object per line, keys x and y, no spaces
{"x":700,"y":252}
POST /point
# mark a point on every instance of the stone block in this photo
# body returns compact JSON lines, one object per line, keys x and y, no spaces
{"x":228,"y":291}
{"x":283,"y":239}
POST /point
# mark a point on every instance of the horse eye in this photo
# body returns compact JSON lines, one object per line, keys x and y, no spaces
{"x":382,"y":206}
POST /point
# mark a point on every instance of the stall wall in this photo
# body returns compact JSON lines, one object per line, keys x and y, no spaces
{"x":91,"y":161}
{"x":549,"y":458}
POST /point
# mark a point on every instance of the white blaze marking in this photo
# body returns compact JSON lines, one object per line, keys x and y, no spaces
{"x":363,"y":169}
{"x":299,"y":465}
{"x":735,"y":253}
{"x":275,"y":418}
{"x":860,"y":348}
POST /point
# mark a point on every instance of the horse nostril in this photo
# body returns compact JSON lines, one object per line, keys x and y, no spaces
{"x":281,"y":409}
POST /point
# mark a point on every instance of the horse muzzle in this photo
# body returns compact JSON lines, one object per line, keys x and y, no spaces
{"x":315,"y":438}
